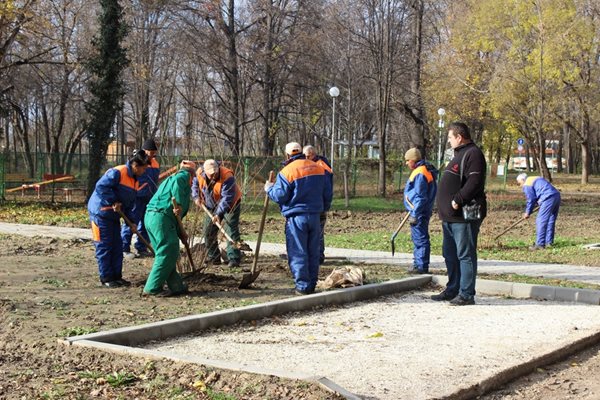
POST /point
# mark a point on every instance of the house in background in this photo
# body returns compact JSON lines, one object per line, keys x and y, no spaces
{"x":365,"y":148}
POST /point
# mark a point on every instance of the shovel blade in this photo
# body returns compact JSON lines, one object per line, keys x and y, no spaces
{"x":243,"y":246}
{"x":248,"y":279}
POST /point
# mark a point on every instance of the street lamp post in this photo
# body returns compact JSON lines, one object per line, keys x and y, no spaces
{"x":441,"y":113}
{"x":333,"y":92}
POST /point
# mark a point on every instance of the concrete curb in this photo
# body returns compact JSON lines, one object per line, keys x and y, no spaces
{"x":120,"y":340}
{"x":529,"y":291}
{"x":527,"y":367}
{"x":133,"y":336}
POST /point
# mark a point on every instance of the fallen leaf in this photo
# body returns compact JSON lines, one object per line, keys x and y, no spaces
{"x":199,"y":385}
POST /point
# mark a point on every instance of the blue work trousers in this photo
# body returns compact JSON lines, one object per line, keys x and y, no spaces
{"x":323,"y":222}
{"x":545,"y":222}
{"x":126,"y":233}
{"x":107,"y":241}
{"x":459,"y":248}
{"x":302,"y":233}
{"x":421,"y":244}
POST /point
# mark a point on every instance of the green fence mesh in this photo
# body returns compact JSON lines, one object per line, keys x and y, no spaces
{"x":360,"y":177}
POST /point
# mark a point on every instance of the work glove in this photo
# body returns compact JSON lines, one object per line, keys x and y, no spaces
{"x":268,"y":185}
{"x":413,"y":221}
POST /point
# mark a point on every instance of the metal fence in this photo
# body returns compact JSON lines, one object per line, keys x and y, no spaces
{"x":360,"y":177}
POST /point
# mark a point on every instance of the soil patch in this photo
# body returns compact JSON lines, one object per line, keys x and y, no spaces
{"x":49,"y":289}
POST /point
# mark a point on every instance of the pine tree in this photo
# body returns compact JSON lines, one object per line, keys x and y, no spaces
{"x":106,"y":85}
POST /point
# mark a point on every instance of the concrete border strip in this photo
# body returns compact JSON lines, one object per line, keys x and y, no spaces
{"x":530,"y":291}
{"x":132,"y":336}
{"x":121,"y":340}
{"x":517,"y":371}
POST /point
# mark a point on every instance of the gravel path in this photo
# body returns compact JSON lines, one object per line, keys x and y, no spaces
{"x":400,"y":347}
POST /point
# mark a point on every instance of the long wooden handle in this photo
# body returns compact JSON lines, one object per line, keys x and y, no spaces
{"x":261,"y":227}
{"x":134,"y":230}
{"x":514,"y":224}
{"x":400,"y":226}
{"x":207,"y":211}
{"x":182,"y":229}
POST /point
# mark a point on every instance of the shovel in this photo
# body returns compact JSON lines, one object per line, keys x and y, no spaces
{"x":247,"y":279}
{"x":134,"y":230}
{"x":396,"y":233}
{"x":185,"y":242}
{"x":143,"y":239}
{"x":239,"y":245}
{"x":517,"y":222}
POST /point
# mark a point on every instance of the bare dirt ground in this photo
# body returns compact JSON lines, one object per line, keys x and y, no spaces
{"x":49,"y":289}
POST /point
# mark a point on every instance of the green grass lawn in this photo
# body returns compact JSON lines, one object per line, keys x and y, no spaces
{"x":347,"y":228}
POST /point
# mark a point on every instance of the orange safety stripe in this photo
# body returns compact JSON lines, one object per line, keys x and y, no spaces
{"x":95,"y":232}
{"x":300,"y":169}
{"x":421,"y":170}
{"x":127,"y":180}
{"x":324,"y":165}
{"x":154,"y":163}
{"x":224,"y":174}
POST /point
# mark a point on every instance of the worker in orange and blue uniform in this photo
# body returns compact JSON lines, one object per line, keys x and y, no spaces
{"x":541,"y":192}
{"x":303,"y":193}
{"x":419,"y":197}
{"x":148,"y":186}
{"x":115,"y":191}
{"x":215,"y":186}
{"x":311,"y":154}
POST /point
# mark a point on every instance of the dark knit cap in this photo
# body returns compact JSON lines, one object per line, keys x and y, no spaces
{"x":150,"y":144}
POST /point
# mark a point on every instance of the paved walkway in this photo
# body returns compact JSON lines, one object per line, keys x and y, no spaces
{"x":552,"y":271}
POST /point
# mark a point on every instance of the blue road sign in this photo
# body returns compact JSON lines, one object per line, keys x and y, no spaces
{"x":520,"y":141}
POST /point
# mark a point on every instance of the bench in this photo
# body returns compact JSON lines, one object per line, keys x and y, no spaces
{"x":52,"y":179}
{"x":58,"y":177}
{"x":16,"y":181}
{"x":17,"y":177}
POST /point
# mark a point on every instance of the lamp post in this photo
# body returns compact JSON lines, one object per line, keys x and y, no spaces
{"x":333,"y":92}
{"x":441,"y":113}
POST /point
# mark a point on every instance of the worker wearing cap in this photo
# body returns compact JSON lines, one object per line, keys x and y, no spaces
{"x":539,"y":191}
{"x":311,"y":154}
{"x":164,"y":232}
{"x":303,"y":192}
{"x":419,"y":196}
{"x":215,"y":186}
{"x":148,"y":186}
{"x":115,"y":191}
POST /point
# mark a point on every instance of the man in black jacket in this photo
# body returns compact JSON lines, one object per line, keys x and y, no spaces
{"x":462,"y":184}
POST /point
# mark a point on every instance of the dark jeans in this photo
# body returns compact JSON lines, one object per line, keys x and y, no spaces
{"x":459,"y":248}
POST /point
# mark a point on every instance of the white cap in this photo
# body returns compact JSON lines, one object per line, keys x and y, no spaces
{"x":210,"y":166}
{"x":522,"y":177}
{"x":293,"y":148}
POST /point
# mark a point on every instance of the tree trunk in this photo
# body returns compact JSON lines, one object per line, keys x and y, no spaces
{"x":420,"y":130}
{"x":586,"y":162}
